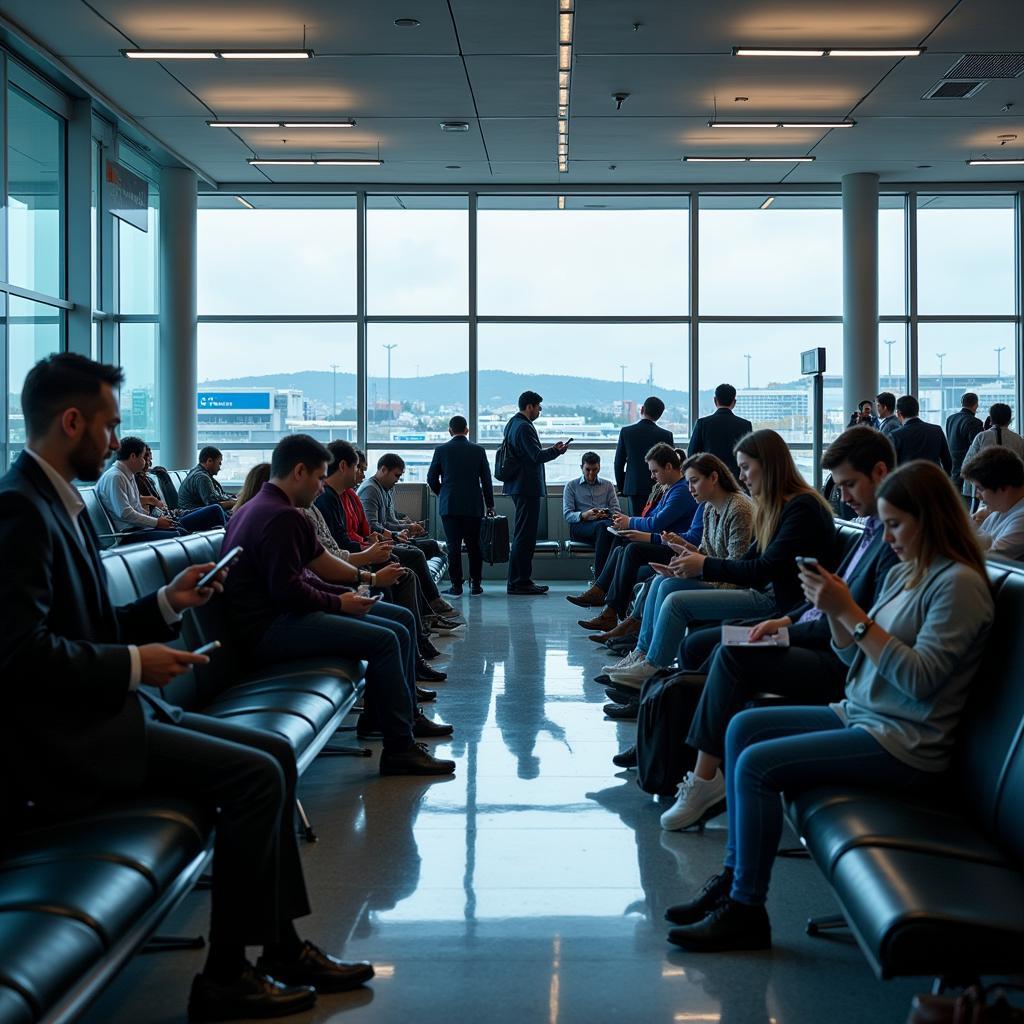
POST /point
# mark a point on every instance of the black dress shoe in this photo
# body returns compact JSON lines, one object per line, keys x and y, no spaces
{"x":425,"y":696}
{"x":426,"y":674}
{"x":604,"y":679}
{"x":428,"y":652}
{"x":527,"y":590}
{"x":321,"y":970}
{"x":475,"y":589}
{"x":251,"y":995}
{"x":417,"y":760}
{"x":622,"y":694}
{"x":716,"y":889}
{"x":425,"y":729}
{"x":367,"y":729}
{"x":622,"y":711}
{"x":730,"y":926}
{"x":455,"y":590}
{"x":627,"y":759}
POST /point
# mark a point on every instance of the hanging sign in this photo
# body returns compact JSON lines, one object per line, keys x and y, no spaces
{"x":127,"y":195}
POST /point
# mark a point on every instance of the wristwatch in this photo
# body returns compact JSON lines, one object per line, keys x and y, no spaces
{"x":861,"y":629}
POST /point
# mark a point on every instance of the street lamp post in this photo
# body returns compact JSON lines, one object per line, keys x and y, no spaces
{"x":389,"y":348}
{"x":747,"y":357}
{"x":942,"y":394}
{"x":889,"y":342}
{"x":334,"y":391}
{"x":999,"y":361}
{"x":622,"y":400}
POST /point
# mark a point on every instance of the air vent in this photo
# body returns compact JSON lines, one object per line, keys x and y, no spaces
{"x":959,"y":89}
{"x":988,"y":65}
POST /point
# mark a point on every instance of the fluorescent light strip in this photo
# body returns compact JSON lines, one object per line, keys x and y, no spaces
{"x":744,"y":124}
{"x":795,"y":51}
{"x":765,"y":51}
{"x":349,"y":163}
{"x":561,"y":202}
{"x":169,"y":54}
{"x":318,"y":124}
{"x":748,"y":159}
{"x":781,"y":124}
{"x":768,"y":202}
{"x":323,"y":162}
{"x":781,"y":159}
{"x":911,"y":51}
{"x":218,"y":54}
{"x":565,"y":57}
{"x":818,"y":124}
{"x":245,"y":203}
{"x":1008,"y":162}
{"x":265,"y":54}
{"x":565,"y":27}
{"x":281,"y":124}
{"x":714,"y":159}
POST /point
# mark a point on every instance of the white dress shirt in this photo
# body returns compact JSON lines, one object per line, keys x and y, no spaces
{"x":1002,"y":533}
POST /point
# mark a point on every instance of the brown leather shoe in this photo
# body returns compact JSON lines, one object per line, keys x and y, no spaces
{"x":627,"y":627}
{"x":592,"y":598}
{"x":605,"y":622}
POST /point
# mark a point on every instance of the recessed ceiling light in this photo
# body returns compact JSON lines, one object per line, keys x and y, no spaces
{"x":245,"y":202}
{"x":821,"y":51}
{"x":455,"y":126}
{"x":748,"y":159}
{"x":1006,"y":162}
{"x":218,"y":54}
{"x":320,"y":162}
{"x":348,"y":123}
{"x":782,"y":124}
{"x":342,"y":162}
{"x":768,"y":202}
{"x":714,"y":159}
{"x":743,"y":124}
{"x":880,"y":51}
{"x":406,"y":23}
{"x":282,"y":124}
{"x":767,"y":51}
{"x":169,"y":54}
{"x":244,"y":124}
{"x":265,"y":54}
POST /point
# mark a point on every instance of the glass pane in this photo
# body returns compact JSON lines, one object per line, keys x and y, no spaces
{"x":594,"y":379}
{"x":583,"y":262}
{"x":778,"y":261}
{"x":34,"y":331}
{"x":138,"y":356}
{"x":954,"y":358}
{"x":138,"y":259}
{"x":267,"y":262}
{"x":892,"y":359}
{"x":258,"y":382}
{"x":94,"y":243}
{"x":965,"y":255}
{"x":417,"y":259}
{"x":762,"y":361}
{"x":892,"y":263}
{"x":35,"y":196}
{"x":418,"y":380}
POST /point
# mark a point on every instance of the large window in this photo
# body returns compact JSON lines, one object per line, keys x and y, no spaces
{"x":34,"y":331}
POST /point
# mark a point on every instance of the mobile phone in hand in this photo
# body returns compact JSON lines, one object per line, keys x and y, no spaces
{"x":209,"y":648}
{"x":810,"y":564}
{"x":229,"y":559}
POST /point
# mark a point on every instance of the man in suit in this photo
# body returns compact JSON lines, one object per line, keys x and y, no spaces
{"x":961,"y":429}
{"x":461,"y":477}
{"x":632,"y":477}
{"x":77,"y":728}
{"x":808,"y":671}
{"x":888,"y":421}
{"x":719,"y":432}
{"x":527,"y":489}
{"x":919,"y":440}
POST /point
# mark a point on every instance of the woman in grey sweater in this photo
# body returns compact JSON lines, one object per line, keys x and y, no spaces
{"x":912,"y":659}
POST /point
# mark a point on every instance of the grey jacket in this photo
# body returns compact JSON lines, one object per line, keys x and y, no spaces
{"x":379,"y":506}
{"x":912,"y":700}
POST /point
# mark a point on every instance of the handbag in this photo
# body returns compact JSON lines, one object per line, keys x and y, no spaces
{"x":969,"y":1007}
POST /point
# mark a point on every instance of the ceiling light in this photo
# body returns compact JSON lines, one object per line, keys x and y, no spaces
{"x":563,"y":166}
{"x":781,"y":124}
{"x":749,"y":159}
{"x":321,"y":162}
{"x":563,"y":80}
{"x":561,"y":202}
{"x":565,"y":57}
{"x":406,"y":23}
{"x":169,"y":54}
{"x":565,"y":5}
{"x":913,"y":51}
{"x":565,"y":27}
{"x":245,"y":202}
{"x":744,"y":124}
{"x":218,"y":54}
{"x":319,"y":124}
{"x":768,"y":202}
{"x":244,"y":124}
{"x":816,"y":51}
{"x":1005,"y":162}
{"x":257,"y":162}
{"x":265,"y":54}
{"x":563,"y":111}
{"x":818,"y":124}
{"x":763,"y":51}
{"x":348,"y":163}
{"x":455,"y":126}
{"x":714,"y":159}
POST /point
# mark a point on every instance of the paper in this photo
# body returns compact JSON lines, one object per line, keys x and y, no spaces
{"x":738,"y":636}
{"x":612,"y":530}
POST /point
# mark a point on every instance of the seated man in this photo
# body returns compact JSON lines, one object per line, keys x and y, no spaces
{"x":589,"y":502}
{"x":276,"y":612}
{"x":998,"y":477}
{"x":77,"y":729}
{"x":201,"y":487}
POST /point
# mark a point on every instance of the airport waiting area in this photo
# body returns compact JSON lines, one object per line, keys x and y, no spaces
{"x":512,"y":512}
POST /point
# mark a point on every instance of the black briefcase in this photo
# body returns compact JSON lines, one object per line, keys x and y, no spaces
{"x":494,"y":539}
{"x":667,"y":705}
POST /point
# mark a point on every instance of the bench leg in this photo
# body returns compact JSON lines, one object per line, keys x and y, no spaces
{"x":816,"y":925}
{"x":169,"y":943}
{"x":792,"y":852}
{"x":307,"y":830}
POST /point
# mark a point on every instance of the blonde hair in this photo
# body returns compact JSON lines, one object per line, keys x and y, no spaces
{"x":254,"y":480}
{"x":780,"y":481}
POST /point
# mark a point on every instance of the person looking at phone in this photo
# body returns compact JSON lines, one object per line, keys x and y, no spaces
{"x":912,"y":659}
{"x":588,"y":503}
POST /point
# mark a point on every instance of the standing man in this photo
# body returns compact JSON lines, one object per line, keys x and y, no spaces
{"x":527,"y":488}
{"x":719,"y":432}
{"x":632,"y":478}
{"x":461,"y":477}
{"x":201,"y":487}
{"x":888,"y":421}
{"x":919,"y":440}
{"x":589,"y":502}
{"x":961,"y":429}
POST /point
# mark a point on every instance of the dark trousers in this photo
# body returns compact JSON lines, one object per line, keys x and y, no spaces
{"x":211,"y":517}
{"x":456,"y":530}
{"x":604,"y":544}
{"x":737,"y":675}
{"x":588,"y":533}
{"x":524,"y":539}
{"x":413,"y":558}
{"x":249,"y":775}
{"x":429,"y":546}
{"x":630,"y":561}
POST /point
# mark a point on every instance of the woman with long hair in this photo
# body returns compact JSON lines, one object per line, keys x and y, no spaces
{"x":254,"y":481}
{"x":998,"y":432}
{"x":789,"y":519}
{"x":912,"y":659}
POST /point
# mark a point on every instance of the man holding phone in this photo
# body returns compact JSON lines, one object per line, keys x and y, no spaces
{"x":589,"y":502}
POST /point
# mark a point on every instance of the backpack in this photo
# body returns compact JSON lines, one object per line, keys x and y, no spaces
{"x":506,"y":462}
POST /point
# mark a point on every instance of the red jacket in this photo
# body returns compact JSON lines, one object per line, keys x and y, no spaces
{"x":356,"y":523}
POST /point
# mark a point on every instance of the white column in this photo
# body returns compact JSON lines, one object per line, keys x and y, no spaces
{"x":860,"y":289}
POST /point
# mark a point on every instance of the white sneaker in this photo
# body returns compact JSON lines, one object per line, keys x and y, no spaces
{"x":630,"y":659}
{"x":634,"y":675}
{"x":694,"y":798}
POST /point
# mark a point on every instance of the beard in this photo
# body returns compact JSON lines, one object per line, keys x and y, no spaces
{"x":87,"y":460}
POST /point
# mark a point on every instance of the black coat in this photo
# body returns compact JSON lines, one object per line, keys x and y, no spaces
{"x":718,"y":434}
{"x":461,"y":475}
{"x":961,"y":429}
{"x":70,"y":724}
{"x":919,"y":440}
{"x":632,"y":475}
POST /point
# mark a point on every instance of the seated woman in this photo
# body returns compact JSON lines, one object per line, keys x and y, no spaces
{"x":912,"y":659}
{"x":998,"y":478}
{"x":728,"y":521}
{"x":790,"y":518}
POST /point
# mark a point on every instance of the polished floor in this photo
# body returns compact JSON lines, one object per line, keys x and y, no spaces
{"x":531,"y":887}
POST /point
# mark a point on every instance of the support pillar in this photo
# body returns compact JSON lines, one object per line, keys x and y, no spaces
{"x":178,"y":361}
{"x":860,"y":289}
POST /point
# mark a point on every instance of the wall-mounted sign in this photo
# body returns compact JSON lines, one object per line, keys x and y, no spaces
{"x":127,"y":195}
{"x":233,"y":401}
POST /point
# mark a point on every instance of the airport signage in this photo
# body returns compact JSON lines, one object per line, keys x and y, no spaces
{"x":233,"y":401}
{"x":127,"y":195}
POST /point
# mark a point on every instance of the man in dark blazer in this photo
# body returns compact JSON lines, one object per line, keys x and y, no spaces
{"x":719,"y":432}
{"x":527,"y":489}
{"x":77,"y":728}
{"x":632,"y":475}
{"x":461,"y":477}
{"x":919,"y":440}
{"x":961,"y":429}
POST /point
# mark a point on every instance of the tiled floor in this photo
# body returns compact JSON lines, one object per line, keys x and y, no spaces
{"x":531,"y":887}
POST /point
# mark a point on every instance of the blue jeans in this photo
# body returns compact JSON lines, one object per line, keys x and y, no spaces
{"x":769,"y":750}
{"x":210,"y":517}
{"x":684,"y":601}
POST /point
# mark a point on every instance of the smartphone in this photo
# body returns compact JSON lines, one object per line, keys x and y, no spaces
{"x":209,"y":648}
{"x":661,"y":570}
{"x":376,"y":598}
{"x":229,"y":559}
{"x":807,"y":563}
{"x":570,"y":441}
{"x":612,"y":530}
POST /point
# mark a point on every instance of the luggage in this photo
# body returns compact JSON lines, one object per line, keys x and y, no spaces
{"x":494,"y":539}
{"x":506,"y":463}
{"x":667,"y":705}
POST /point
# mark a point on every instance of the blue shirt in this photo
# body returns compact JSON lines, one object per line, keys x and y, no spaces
{"x":579,"y":496}
{"x":674,"y":513}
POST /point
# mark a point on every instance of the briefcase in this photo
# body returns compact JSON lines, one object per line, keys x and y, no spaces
{"x":667,"y":704}
{"x":494,"y":539}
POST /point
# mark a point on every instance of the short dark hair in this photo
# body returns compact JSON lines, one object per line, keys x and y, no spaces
{"x":862,"y":447}
{"x":1001,"y":414}
{"x":360,"y":455}
{"x":654,"y":407}
{"x":995,"y":467}
{"x":529,"y":398}
{"x":60,"y":382}
{"x":295,"y":449}
{"x":458,"y":425}
{"x":209,"y":452}
{"x":907,"y":405}
{"x":341,"y":451}
{"x":968,"y":398}
{"x":589,"y":458}
{"x":131,"y":446}
{"x":886,"y":398}
{"x":863,"y":402}
{"x":725,"y":394}
{"x":389,"y":461}
{"x":664,"y":455}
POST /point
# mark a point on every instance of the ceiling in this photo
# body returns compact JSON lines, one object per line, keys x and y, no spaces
{"x":493,"y":64}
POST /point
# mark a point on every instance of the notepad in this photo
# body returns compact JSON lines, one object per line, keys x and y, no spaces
{"x":738,"y":636}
